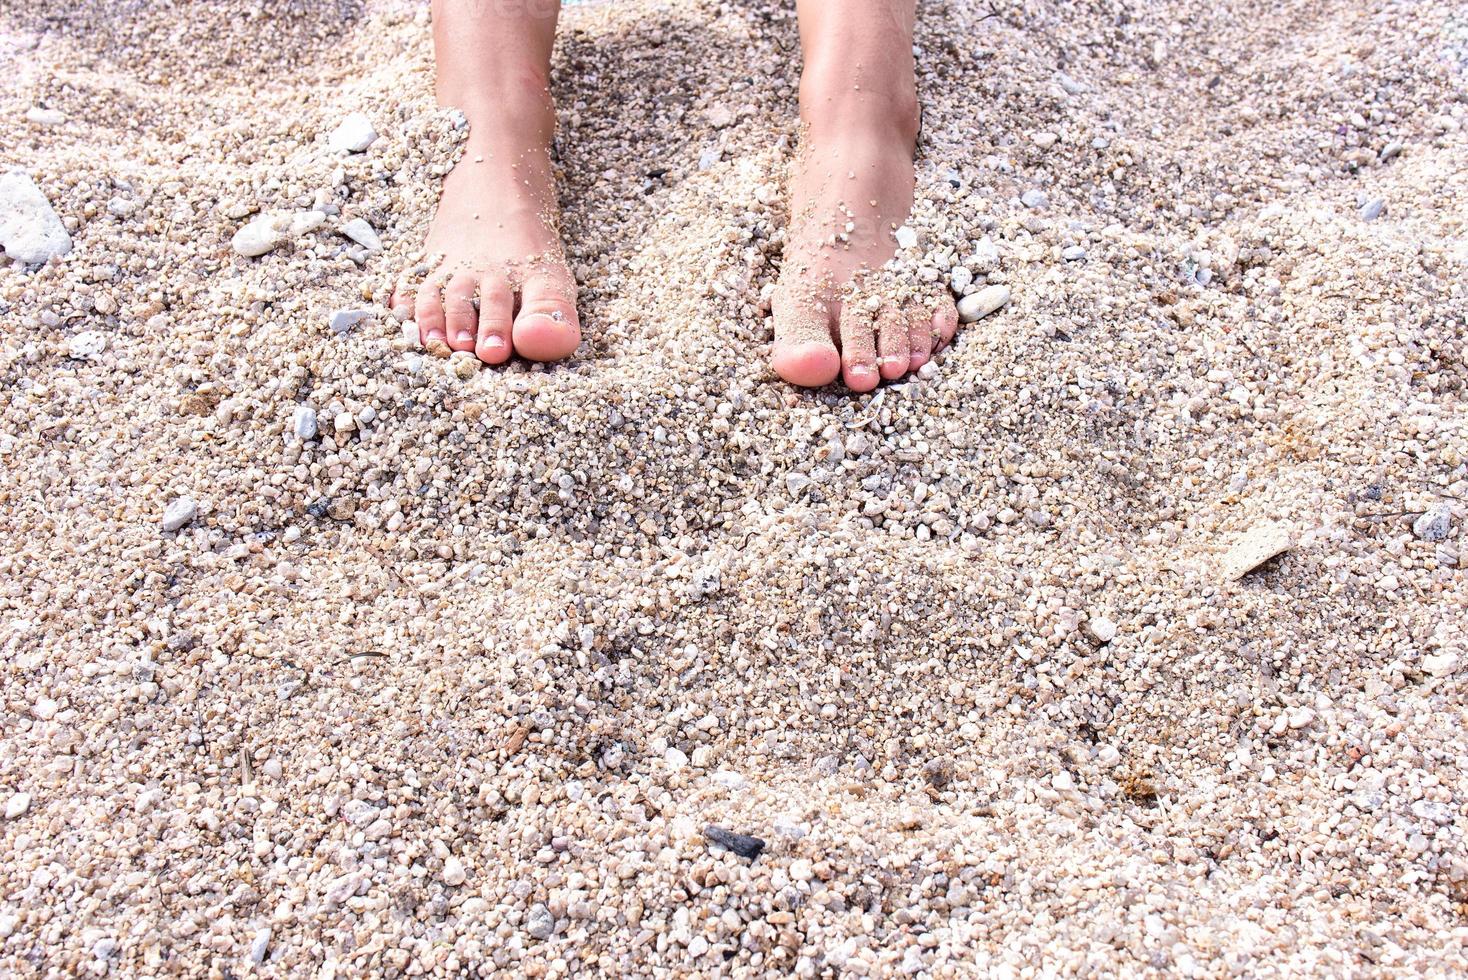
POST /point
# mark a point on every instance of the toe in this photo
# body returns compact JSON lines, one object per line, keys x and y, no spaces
{"x":893,"y":343}
{"x":461,"y":315}
{"x":858,"y":346}
{"x":945,"y":321}
{"x":496,"y":317}
{"x":804,"y":352}
{"x":428,"y":312}
{"x":547,"y":328}
{"x":920,"y":340}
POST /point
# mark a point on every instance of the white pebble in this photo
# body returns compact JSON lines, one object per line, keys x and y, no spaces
{"x":44,"y":117}
{"x":44,"y":709}
{"x":1034,"y":199}
{"x":453,"y":872}
{"x":30,"y":230}
{"x":359,"y":231}
{"x":179,"y":513}
{"x":259,"y":946}
{"x":978,"y":305}
{"x":17,"y":805}
{"x":353,"y":135}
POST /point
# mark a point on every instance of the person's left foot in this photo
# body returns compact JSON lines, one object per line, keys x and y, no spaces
{"x":851,"y":188}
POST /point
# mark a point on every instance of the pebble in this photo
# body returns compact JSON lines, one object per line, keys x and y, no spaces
{"x":539,"y":923}
{"x":976,"y":306}
{"x":462,"y":364}
{"x":359,"y":231}
{"x":1108,"y":756}
{"x":719,"y":116}
{"x":258,"y":237}
{"x":17,"y":805}
{"x":344,"y":423}
{"x":1440,"y":664}
{"x":1372,"y":209}
{"x":40,"y":116}
{"x":343,"y":321}
{"x":1045,"y":140}
{"x":179,"y":513}
{"x":744,"y":845}
{"x":986,"y":255}
{"x":906,"y":237}
{"x":1435,"y":525}
{"x":30,"y":230}
{"x":303,"y":423}
{"x":87,"y":345}
{"x":1257,"y":546}
{"x":44,"y":709}
{"x":260,"y":945}
{"x":453,"y":871}
{"x":960,"y":278}
{"x":1103,"y":629}
{"x":1073,"y":253}
{"x":1034,"y":199}
{"x":1301,"y":718}
{"x":353,"y":135}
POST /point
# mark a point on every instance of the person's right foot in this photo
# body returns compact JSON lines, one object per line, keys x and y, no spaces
{"x":500,"y":284}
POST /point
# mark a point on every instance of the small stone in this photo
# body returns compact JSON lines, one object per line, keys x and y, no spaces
{"x":359,"y":231}
{"x":1107,"y":756}
{"x":343,"y":321}
{"x":719,"y":116}
{"x":801,"y":870}
{"x":179,"y":513}
{"x":744,"y":845}
{"x":259,"y":946}
{"x":17,"y":805}
{"x":675,"y":758}
{"x":1073,"y":253}
{"x":1103,"y":629}
{"x":960,"y":278}
{"x":976,"y":306}
{"x":1440,"y":664}
{"x":1391,"y":150}
{"x":44,"y":709}
{"x":540,"y":923}
{"x":986,"y":255}
{"x":1034,"y":199}
{"x":1301,"y":717}
{"x":710,"y":156}
{"x":1070,"y":86}
{"x":906,"y":237}
{"x":303,"y":423}
{"x":453,"y":872}
{"x":796,"y":482}
{"x":463,"y":364}
{"x":1045,"y":140}
{"x":259,"y":236}
{"x":1062,"y":782}
{"x":30,"y":230}
{"x":1435,"y":525}
{"x":1257,"y":546}
{"x":353,"y":135}
{"x":303,"y":222}
{"x":344,"y":423}
{"x":1372,"y":209}
{"x":87,"y":345}
{"x":39,"y":116}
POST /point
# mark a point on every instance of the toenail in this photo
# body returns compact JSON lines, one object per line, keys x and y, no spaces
{"x":465,"y":336}
{"x":861,"y":370}
{"x":893,"y":359}
{"x":494,"y":342}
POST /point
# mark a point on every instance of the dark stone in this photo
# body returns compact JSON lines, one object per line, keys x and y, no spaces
{"x":744,"y":845}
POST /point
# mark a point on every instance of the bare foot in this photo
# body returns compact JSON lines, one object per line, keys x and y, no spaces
{"x":851,"y":188}
{"x":498,"y":282}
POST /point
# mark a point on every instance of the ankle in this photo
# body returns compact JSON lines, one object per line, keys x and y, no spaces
{"x":843,"y":94}
{"x":519,"y":103}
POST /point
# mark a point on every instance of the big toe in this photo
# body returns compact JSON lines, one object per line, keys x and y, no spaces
{"x":547,"y":328}
{"x":809,"y":363}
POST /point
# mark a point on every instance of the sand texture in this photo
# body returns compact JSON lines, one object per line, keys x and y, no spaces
{"x":1127,"y":639}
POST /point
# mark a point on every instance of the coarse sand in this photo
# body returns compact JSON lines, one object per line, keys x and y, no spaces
{"x":1126,"y":639}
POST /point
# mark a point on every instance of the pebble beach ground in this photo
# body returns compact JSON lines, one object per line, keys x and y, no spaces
{"x":1126,"y":639}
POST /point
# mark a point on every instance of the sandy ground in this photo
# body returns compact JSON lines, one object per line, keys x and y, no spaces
{"x":458,"y":682}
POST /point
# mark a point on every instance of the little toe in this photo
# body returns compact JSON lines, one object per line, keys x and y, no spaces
{"x":461,"y":313}
{"x":858,"y":347}
{"x":496,"y":318}
{"x":804,"y":352}
{"x":547,"y":328}
{"x":893,"y":343}
{"x":428,"y":312}
{"x":945,"y":321}
{"x":400,"y":303}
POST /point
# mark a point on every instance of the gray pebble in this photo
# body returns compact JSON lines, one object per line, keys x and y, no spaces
{"x":1372,"y":209}
{"x":1435,"y":525}
{"x":540,"y":923}
{"x":1033,"y":198}
{"x":179,"y":513}
{"x":344,"y":320}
